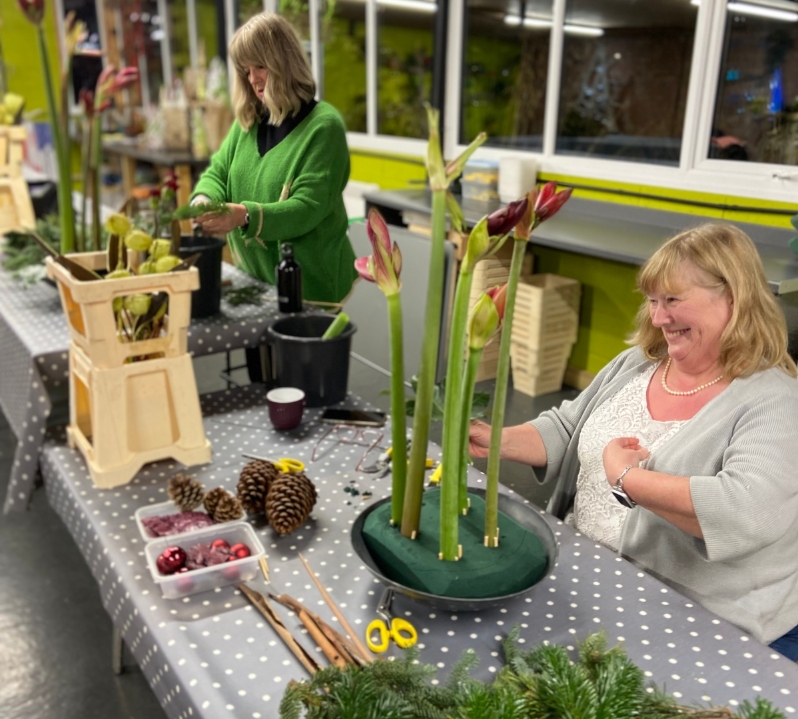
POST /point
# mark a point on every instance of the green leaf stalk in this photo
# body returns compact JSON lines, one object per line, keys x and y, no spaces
{"x":398,"y":419}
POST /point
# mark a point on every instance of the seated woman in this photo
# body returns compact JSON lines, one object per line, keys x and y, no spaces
{"x":681,"y":453}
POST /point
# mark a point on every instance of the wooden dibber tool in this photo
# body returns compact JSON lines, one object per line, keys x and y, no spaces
{"x":365,"y":654}
{"x":263,"y":606}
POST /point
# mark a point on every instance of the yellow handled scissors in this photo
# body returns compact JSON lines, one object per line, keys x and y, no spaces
{"x":400,"y":630}
{"x":287,"y":465}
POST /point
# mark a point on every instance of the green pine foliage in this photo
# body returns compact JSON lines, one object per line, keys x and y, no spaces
{"x":542,"y":683}
{"x":190,"y":212}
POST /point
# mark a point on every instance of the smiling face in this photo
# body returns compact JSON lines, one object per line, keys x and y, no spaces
{"x":257,"y":76}
{"x":692,"y":318}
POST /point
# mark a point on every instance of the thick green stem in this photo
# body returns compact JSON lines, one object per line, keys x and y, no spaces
{"x":454,"y":498}
{"x":398,"y":421}
{"x":500,"y":399}
{"x":64,"y":187}
{"x":94,"y":165}
{"x":449,"y":549}
{"x":86,"y":172}
{"x":426,"y":375}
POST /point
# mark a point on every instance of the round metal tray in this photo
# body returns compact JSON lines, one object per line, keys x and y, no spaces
{"x":526,"y":515}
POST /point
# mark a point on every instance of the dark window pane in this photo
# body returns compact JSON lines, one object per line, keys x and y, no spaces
{"x":505,"y":65}
{"x":756,"y":111}
{"x":405,"y":40}
{"x":343,"y":33}
{"x":625,"y":73}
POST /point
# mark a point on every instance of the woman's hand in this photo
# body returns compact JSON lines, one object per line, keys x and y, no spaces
{"x":619,"y":454}
{"x":214,"y":224}
{"x":478,"y":439}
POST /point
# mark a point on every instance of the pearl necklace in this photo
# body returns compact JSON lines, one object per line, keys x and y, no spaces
{"x":692,"y":391}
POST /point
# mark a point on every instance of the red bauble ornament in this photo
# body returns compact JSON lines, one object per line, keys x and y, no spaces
{"x":171,"y":559}
{"x":182,"y":570}
{"x":240,"y":550}
{"x":220,"y":544}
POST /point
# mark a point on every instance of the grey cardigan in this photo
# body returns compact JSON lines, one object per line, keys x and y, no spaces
{"x":740,"y":452}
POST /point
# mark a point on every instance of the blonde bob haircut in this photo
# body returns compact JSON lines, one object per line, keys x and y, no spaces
{"x":269,"y":41}
{"x":756,"y":337}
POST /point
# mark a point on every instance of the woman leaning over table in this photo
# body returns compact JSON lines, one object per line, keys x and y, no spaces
{"x":695,"y":429}
{"x":283,"y":166}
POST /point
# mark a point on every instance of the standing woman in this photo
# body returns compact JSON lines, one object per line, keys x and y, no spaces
{"x":283,"y":166}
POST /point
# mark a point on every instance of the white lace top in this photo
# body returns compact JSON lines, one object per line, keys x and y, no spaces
{"x":596,"y":511}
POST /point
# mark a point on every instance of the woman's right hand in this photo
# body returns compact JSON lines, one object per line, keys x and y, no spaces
{"x":478,"y":439}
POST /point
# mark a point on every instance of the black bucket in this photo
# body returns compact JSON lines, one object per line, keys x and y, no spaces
{"x":320,"y":368}
{"x":206,"y":300}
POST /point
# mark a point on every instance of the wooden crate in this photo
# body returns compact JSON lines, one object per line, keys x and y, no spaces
{"x":90,"y":315}
{"x":124,"y":417}
{"x":16,"y":209}
{"x":546,"y":310}
{"x":536,"y":361}
{"x":535,"y":385}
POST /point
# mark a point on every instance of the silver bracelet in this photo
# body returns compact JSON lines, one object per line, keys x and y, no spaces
{"x":619,"y":482}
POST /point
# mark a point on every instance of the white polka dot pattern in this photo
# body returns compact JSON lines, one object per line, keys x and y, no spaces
{"x":213,"y":655}
{"x":34,"y":340}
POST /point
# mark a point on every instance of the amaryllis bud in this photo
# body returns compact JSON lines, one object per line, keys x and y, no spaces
{"x":160,"y":248}
{"x":86,"y":98}
{"x":455,"y":167}
{"x":477,"y":246}
{"x":138,"y":305}
{"x":483,"y":322}
{"x":138,"y":241}
{"x":524,"y":227}
{"x":124,"y":78}
{"x":75,"y":32}
{"x":32,"y":9}
{"x":505,"y":219}
{"x":165,"y":264}
{"x":385,"y":263}
{"x":118,"y":224}
{"x":499,"y":296}
{"x":362,"y":265}
{"x":548,"y":203}
{"x":104,"y":80}
{"x":155,"y":192}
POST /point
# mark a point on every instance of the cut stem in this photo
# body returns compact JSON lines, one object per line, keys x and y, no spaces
{"x":398,"y":421}
{"x":450,"y":504}
{"x":500,"y":396}
{"x":426,"y":377}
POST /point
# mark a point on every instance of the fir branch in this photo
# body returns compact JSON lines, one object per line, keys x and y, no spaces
{"x":190,"y":212}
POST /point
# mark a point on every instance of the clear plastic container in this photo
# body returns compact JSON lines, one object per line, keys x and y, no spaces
{"x":174,"y":586}
{"x":160,"y":510}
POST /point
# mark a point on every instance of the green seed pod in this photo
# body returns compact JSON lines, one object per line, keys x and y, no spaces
{"x":137,"y":305}
{"x":118,"y":225}
{"x":117,"y":305}
{"x":166,"y":263}
{"x":160,"y":248}
{"x":147,"y":268}
{"x":138,"y":241}
{"x":117,"y":274}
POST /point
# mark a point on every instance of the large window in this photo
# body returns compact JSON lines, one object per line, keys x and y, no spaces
{"x":505,"y":63}
{"x":756,"y":111}
{"x":625,"y":74}
{"x":405,"y":45}
{"x":343,"y":43}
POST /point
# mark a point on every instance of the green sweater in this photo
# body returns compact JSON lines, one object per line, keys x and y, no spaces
{"x":293,"y":193}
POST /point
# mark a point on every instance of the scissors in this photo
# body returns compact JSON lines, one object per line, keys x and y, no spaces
{"x":287,"y":465}
{"x":400,"y":630}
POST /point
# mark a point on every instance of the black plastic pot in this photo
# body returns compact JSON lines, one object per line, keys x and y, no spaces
{"x":206,"y":300}
{"x":320,"y":368}
{"x":527,"y":515}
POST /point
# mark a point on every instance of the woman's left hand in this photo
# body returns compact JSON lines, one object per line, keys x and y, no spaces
{"x":619,"y":454}
{"x":213,"y":224}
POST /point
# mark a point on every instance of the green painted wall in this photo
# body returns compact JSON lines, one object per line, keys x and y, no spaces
{"x":21,"y":54}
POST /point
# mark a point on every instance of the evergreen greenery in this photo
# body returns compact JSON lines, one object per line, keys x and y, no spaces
{"x":189,"y":212}
{"x":541,"y":683}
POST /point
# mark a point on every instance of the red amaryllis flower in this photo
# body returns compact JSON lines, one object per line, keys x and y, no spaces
{"x":124,"y":78}
{"x":384,"y":266}
{"x":155,"y":192}
{"x":549,"y":201}
{"x":32,"y":9}
{"x":505,"y":219}
{"x":170,"y":181}
{"x":499,"y":296}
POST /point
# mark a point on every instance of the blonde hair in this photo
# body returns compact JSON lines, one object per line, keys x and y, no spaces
{"x":269,"y":41}
{"x":756,"y":337}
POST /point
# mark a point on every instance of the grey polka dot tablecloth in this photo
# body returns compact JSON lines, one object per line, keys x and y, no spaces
{"x":213,"y":655}
{"x":34,"y":344}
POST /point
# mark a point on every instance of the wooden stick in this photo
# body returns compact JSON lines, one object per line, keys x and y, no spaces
{"x":361,"y":648}
{"x":264,"y":568}
{"x":347,"y":650}
{"x":327,"y":647}
{"x":263,"y":606}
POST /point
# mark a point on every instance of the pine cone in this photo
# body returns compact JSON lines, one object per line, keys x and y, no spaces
{"x":185,"y":492}
{"x":212,"y":499}
{"x":253,"y":486}
{"x":289,"y":502}
{"x":227,"y":509}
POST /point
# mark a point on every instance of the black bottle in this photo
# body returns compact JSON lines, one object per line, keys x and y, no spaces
{"x":289,"y":281}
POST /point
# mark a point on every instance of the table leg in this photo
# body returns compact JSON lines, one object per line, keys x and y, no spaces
{"x":117,"y":651}
{"x":184,"y":187}
{"x":128,"y":175}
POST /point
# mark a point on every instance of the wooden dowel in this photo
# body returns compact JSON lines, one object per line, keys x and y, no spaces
{"x":361,"y":648}
{"x":262,"y":605}
{"x":326,"y":645}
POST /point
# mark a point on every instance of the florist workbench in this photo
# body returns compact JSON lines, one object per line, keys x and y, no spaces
{"x":212,"y":654}
{"x":34,"y":346}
